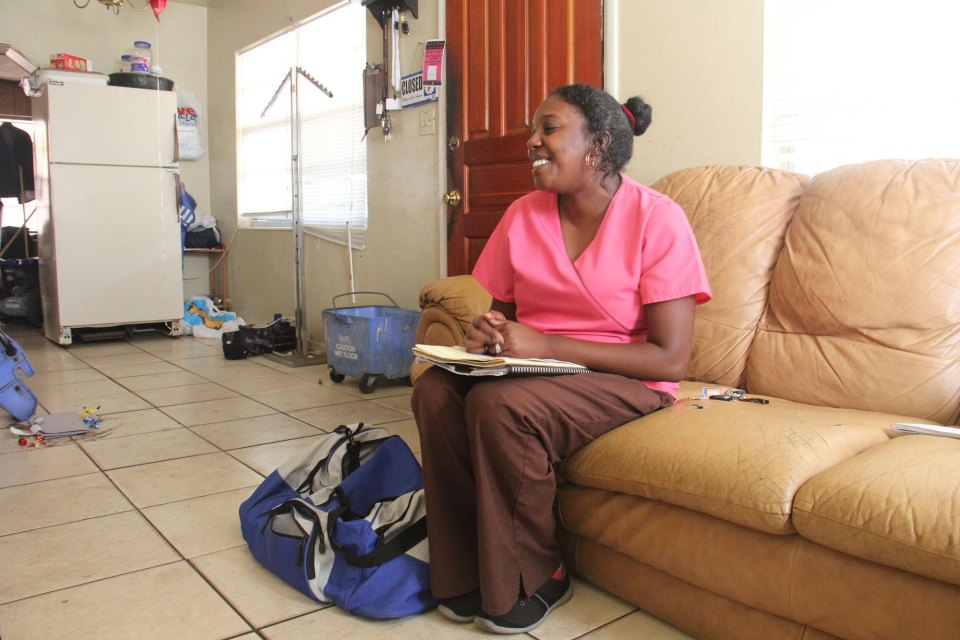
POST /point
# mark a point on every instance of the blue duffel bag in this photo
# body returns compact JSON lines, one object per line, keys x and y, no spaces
{"x":345,"y":522}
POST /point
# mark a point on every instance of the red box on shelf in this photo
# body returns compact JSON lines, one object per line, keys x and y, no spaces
{"x":69,"y":62}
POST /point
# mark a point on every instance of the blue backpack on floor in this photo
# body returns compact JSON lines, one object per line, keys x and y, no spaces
{"x":15,"y":396}
{"x":345,"y":522}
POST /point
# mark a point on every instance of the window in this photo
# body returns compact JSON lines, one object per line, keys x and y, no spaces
{"x":853,"y":80}
{"x":331,"y":49}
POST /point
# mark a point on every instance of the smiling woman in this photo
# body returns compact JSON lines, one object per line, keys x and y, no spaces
{"x":591,"y":268}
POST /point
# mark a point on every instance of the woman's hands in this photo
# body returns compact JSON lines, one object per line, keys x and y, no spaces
{"x":663,"y":356}
{"x":494,"y":334}
{"x":483,"y":334}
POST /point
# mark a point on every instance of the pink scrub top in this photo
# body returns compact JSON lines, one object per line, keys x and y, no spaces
{"x":644,"y":252}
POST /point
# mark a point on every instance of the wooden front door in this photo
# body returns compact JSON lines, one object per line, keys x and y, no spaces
{"x":504,"y":57}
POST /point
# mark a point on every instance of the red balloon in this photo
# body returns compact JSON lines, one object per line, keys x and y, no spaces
{"x":158,"y":6}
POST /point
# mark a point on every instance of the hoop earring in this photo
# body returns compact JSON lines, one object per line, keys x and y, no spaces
{"x":591,"y":161}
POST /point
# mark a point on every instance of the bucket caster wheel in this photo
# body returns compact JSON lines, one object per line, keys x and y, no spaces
{"x":367,"y":383}
{"x":336,"y":377}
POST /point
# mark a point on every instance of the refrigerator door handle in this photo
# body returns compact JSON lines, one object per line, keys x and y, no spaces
{"x":179,"y":202}
{"x":176,"y":139}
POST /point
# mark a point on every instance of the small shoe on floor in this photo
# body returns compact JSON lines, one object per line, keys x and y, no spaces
{"x":528,"y":613}
{"x":461,"y":608}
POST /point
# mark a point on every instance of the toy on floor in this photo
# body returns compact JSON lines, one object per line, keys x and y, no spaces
{"x":91,"y":418}
{"x":56,"y":425}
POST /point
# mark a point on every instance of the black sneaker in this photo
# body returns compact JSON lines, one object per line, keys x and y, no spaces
{"x":461,"y":608}
{"x":528,"y":613}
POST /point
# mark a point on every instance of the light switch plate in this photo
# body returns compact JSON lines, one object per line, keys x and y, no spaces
{"x":428,"y":122}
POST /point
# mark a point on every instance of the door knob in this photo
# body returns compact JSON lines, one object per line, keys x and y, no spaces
{"x":453,"y":198}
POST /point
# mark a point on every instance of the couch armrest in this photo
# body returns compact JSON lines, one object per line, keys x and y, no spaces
{"x":447,"y":306}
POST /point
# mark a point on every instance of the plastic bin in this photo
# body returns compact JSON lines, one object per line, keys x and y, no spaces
{"x":369,"y":342}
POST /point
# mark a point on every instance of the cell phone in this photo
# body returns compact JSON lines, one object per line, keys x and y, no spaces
{"x":723,"y":396}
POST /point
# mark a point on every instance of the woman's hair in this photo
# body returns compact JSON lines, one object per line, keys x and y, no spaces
{"x":607,"y":119}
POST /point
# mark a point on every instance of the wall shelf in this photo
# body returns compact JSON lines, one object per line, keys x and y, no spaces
{"x":218,"y":273}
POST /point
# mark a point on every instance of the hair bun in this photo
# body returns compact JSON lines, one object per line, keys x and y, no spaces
{"x":641,"y":112}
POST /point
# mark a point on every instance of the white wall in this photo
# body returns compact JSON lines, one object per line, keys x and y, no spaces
{"x":699,"y":63}
{"x":179,"y":40}
{"x":41,"y":27}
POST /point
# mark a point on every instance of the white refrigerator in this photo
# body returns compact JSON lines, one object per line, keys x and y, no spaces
{"x":107,"y":186}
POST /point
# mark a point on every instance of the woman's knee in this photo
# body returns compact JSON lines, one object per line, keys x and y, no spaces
{"x":495,"y":407}
{"x":436,"y":401}
{"x":427,"y":390}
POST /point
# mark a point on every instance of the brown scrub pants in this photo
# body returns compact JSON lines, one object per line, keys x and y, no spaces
{"x":489,"y":446}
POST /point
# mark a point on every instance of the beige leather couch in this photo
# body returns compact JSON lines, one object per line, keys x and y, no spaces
{"x":837,"y":297}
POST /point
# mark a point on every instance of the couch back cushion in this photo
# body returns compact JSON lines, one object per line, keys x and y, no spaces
{"x":864,"y":304}
{"x":739,"y":215}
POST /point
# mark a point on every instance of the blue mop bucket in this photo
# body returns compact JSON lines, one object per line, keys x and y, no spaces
{"x":369,"y":342}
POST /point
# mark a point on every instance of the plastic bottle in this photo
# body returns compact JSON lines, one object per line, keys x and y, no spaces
{"x":125,"y":63}
{"x":140,"y":60}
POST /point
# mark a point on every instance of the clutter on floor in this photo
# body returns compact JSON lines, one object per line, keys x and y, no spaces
{"x":203,"y":319}
{"x":40,"y":431}
{"x":252,"y":340}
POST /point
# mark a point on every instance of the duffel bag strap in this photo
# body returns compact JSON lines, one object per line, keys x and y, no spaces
{"x":397,"y":546}
{"x":346,"y":437}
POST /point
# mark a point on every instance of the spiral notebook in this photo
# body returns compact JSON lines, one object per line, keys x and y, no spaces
{"x":927,"y":429}
{"x":457,"y":360}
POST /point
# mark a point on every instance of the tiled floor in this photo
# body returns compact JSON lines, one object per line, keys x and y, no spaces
{"x":134,"y":533}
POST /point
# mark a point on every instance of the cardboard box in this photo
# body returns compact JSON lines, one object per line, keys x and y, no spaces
{"x":69,"y":62}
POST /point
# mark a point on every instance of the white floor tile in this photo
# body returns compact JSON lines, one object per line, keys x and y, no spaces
{"x":43,"y":463}
{"x":201,"y":525}
{"x":170,"y":601}
{"x":258,"y":594}
{"x":147,"y":485}
{"x":43,"y":504}
{"x":66,"y":555}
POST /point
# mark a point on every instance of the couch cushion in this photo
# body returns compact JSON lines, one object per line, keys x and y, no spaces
{"x":894,"y":504}
{"x":738,"y":461}
{"x":739,"y":215}
{"x":617,"y":541}
{"x":864,"y":308}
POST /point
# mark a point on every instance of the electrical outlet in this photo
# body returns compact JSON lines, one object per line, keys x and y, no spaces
{"x":428,"y":122}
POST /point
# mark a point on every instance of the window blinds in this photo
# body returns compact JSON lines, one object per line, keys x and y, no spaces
{"x":853,"y":80}
{"x":333,"y":160}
